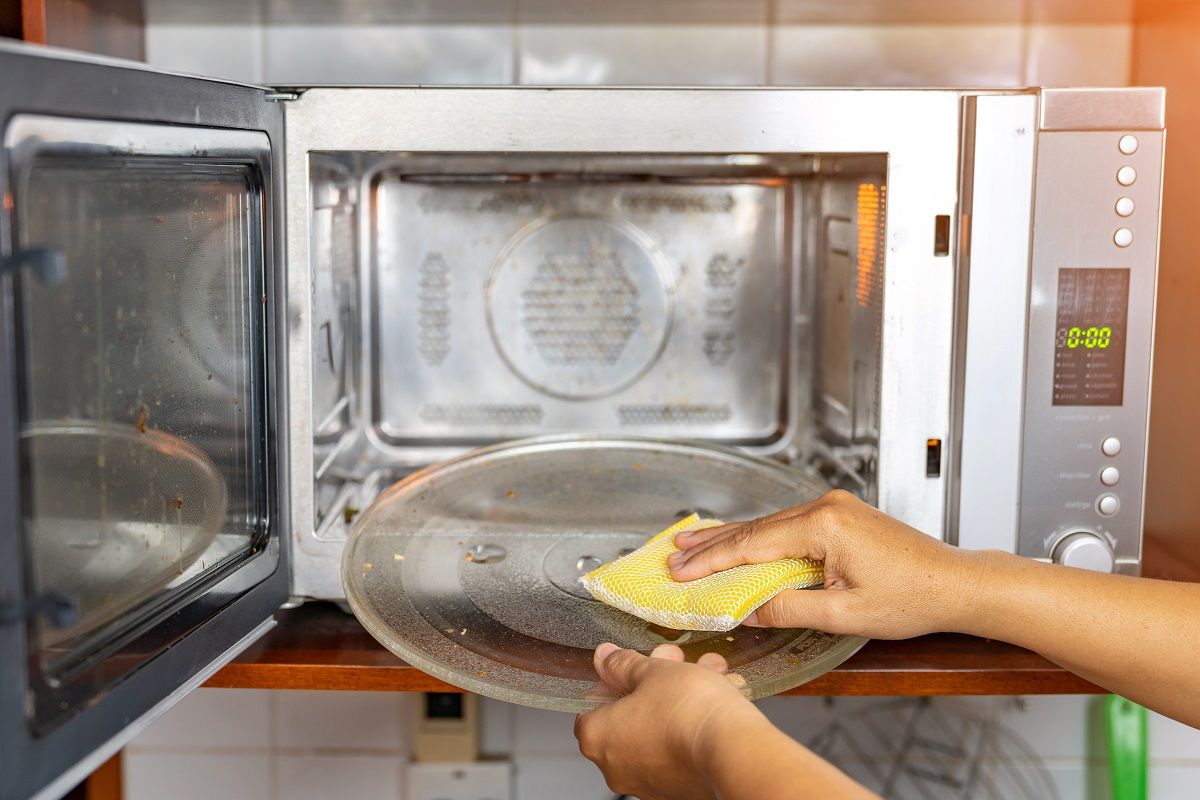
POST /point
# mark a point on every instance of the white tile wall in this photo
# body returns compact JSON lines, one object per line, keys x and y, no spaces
{"x":1071,"y":780}
{"x":216,"y":719}
{"x":802,"y":717}
{"x":897,"y":55}
{"x":261,"y":745}
{"x":741,"y":50}
{"x":232,"y":51}
{"x":316,"y":777}
{"x":497,"y":722}
{"x":643,"y":55}
{"x":1174,"y":782}
{"x":1055,"y":727}
{"x":543,"y":733}
{"x":559,"y":778}
{"x":196,"y":776}
{"x":1079,"y":55}
{"x":360,"y":721}
{"x":1174,"y":740}
{"x":387,"y":54}
{"x":459,"y":781}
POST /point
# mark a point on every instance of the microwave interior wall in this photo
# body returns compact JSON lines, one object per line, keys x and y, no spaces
{"x":465,"y":299}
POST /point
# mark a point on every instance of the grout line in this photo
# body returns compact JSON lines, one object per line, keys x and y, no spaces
{"x":1026,"y":27}
{"x":514,"y":41}
{"x":769,"y":50}
{"x":407,"y":708}
{"x":402,"y":780}
{"x":1096,"y":761}
{"x":512,"y":733}
{"x":233,"y":750}
{"x":261,"y":57}
{"x":272,"y":742}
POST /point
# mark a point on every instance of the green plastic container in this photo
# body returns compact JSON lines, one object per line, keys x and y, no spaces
{"x":1128,"y":747}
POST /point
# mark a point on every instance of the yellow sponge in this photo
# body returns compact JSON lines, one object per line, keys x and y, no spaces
{"x":640,"y":583}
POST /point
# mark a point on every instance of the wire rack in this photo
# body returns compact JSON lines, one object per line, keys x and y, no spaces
{"x":918,"y":748}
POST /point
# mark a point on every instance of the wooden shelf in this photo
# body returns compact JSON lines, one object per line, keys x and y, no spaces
{"x":318,"y":646}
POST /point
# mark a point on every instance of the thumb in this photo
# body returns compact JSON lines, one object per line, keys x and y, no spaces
{"x":795,"y":608}
{"x":622,"y":669}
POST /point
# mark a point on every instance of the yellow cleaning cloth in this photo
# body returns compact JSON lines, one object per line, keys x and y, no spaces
{"x":641,"y":584}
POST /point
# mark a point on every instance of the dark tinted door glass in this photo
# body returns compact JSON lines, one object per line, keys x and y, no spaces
{"x":140,"y":390}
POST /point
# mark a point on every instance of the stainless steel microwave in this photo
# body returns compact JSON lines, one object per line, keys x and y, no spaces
{"x":233,"y":314}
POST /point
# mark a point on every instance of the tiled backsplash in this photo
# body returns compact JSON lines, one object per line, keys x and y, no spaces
{"x":704,"y":52}
{"x":282,"y":745}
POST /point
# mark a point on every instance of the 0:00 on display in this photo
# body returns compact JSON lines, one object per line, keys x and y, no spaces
{"x":1092,"y":338}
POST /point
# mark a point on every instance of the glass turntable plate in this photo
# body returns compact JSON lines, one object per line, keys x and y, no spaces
{"x":469,"y":570}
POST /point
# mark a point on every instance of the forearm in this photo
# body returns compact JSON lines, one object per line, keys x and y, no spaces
{"x":752,"y":759}
{"x":1135,"y":637}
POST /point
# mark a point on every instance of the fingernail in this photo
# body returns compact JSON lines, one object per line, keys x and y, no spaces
{"x":752,"y":621}
{"x":605,"y":650}
{"x":675,"y":558}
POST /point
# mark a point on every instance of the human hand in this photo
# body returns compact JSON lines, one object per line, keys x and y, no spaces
{"x":655,"y":742}
{"x":883,"y":579}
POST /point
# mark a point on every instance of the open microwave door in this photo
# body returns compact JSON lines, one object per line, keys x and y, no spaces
{"x":141,"y":492}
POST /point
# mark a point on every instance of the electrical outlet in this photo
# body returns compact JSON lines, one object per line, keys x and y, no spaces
{"x":447,"y":728}
{"x":467,"y":780}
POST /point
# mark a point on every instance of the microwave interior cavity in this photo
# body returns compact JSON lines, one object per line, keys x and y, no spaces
{"x":466,"y":299}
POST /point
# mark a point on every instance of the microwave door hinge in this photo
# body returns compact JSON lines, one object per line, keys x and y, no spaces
{"x":281,"y":97}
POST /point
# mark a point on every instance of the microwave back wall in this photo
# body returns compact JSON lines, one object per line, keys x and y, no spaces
{"x":942,"y":300}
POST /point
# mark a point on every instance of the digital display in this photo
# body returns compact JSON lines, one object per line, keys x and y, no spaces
{"x":1089,"y":345}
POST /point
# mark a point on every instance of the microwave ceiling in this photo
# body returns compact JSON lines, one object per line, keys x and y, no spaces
{"x":550,"y":168}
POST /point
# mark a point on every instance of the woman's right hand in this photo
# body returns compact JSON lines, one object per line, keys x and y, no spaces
{"x":883,"y":579}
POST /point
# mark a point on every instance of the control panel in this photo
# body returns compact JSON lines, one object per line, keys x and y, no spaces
{"x":1090,"y":341}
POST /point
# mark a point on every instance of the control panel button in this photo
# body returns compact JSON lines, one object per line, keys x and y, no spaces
{"x":1108,"y":505}
{"x":1126,"y":176}
{"x":1111,"y":446}
{"x":1123,"y":237}
{"x":1084,"y":550}
{"x":1109,"y":476}
{"x":1128,"y":144}
{"x":1125,"y":207}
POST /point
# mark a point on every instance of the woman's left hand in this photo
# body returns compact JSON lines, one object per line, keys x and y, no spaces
{"x":655,"y":742}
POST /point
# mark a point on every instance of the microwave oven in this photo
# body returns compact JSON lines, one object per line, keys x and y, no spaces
{"x":232,"y":315}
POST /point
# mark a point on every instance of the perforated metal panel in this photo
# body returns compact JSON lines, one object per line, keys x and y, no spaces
{"x":508,"y":304}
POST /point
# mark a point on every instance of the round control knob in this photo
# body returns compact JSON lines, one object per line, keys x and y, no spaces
{"x":1084,"y":550}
